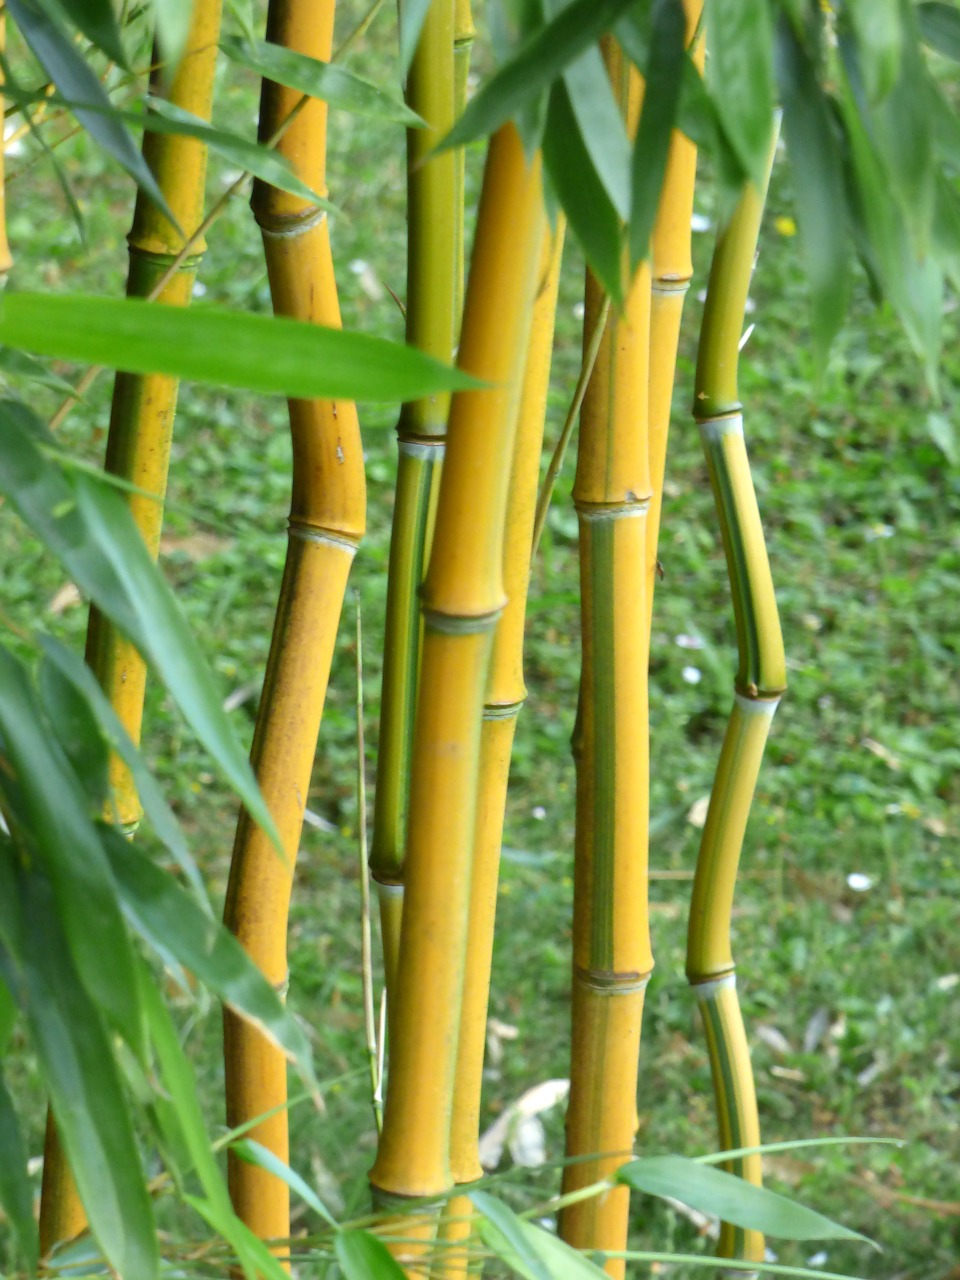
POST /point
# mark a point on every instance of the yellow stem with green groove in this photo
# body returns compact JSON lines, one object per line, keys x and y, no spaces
{"x":760,"y":681}
{"x":6,"y":260}
{"x":506,"y":693}
{"x":462,"y":598}
{"x":612,"y":958}
{"x":432,"y":241}
{"x":327,"y":519}
{"x":138,"y":450}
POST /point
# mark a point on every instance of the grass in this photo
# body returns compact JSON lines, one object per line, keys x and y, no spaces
{"x":849,"y":986}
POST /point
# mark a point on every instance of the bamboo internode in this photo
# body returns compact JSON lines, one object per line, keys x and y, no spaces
{"x":462,"y":597}
{"x":138,"y":451}
{"x":327,"y":518}
{"x":6,"y":260}
{"x":760,"y":680}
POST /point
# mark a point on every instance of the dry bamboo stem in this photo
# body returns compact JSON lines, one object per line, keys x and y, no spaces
{"x":462,"y":597}
{"x":431,"y":287}
{"x":138,"y":450}
{"x":612,"y":957}
{"x":506,"y":693}
{"x":760,"y":681}
{"x":327,"y":518}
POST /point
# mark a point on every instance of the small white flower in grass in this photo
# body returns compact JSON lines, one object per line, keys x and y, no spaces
{"x":199,"y":289}
{"x":697,"y":814}
{"x":700,"y":222}
{"x":358,"y":266}
{"x":879,"y":531}
{"x":684,"y":641}
{"x":818,"y":1259}
{"x":859,"y":882}
{"x":692,"y":675}
{"x":578,"y":310}
{"x":538,"y":812}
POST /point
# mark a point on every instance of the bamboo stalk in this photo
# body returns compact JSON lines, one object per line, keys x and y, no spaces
{"x":6,"y":259}
{"x":506,"y":694}
{"x":327,"y":518}
{"x":760,"y":681}
{"x":464,"y":35}
{"x":431,"y":289}
{"x":672,"y":270}
{"x":138,"y":450}
{"x":462,"y":597}
{"x":612,"y":958}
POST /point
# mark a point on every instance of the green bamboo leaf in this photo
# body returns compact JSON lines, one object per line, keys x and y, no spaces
{"x":18,"y":364}
{"x":256,"y":1153}
{"x":79,"y":1070}
{"x":16,"y":1194}
{"x":542,"y":57}
{"x":940,"y":28}
{"x":590,"y":212}
{"x":78,"y":733}
{"x":50,"y":814}
{"x":263,"y":162}
{"x":172,"y":20}
{"x":170,"y":920}
{"x":561,"y":1259}
{"x":818,"y":189}
{"x":68,"y":70}
{"x":879,"y":34}
{"x":97,"y":20}
{"x":505,"y":1233}
{"x":255,"y":1258}
{"x":88,"y":526}
{"x":162,"y":817}
{"x":661,"y":99}
{"x":212,"y":344}
{"x":8,"y":1006}
{"x":795,"y":1144}
{"x":327,"y":80}
{"x":363,"y":1257}
{"x":740,"y":77}
{"x":601,"y":126}
{"x":730,"y":1198}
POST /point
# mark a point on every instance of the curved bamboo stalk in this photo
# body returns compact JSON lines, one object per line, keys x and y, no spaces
{"x":760,"y":681}
{"x":506,"y":694}
{"x":432,"y":237}
{"x":327,"y":518}
{"x":138,"y":450}
{"x":6,"y":260}
{"x":672,"y":270}
{"x":462,"y":597}
{"x":612,"y":959}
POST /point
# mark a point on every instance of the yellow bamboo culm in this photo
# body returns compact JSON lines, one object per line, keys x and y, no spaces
{"x":506,"y":693}
{"x":462,"y":597}
{"x":6,"y":259}
{"x":327,"y":519}
{"x":612,"y":958}
{"x":138,"y":450}
{"x":672,"y":270}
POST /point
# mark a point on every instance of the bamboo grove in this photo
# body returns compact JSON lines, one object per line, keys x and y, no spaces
{"x":581,"y":87}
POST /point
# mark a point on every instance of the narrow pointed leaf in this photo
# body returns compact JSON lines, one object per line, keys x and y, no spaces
{"x":172,"y":24}
{"x":879,"y":32}
{"x":334,"y":84}
{"x":364,"y":1257}
{"x":77,"y":731}
{"x":661,"y":100}
{"x":170,"y":920}
{"x":255,"y":1258}
{"x":601,"y":126}
{"x":226,"y":348}
{"x":725,"y":1196}
{"x":16,"y":1196}
{"x":539,"y":61}
{"x":256,"y":1153}
{"x":96,"y":19}
{"x":740,"y":77}
{"x":561,"y":1259}
{"x":412,"y":15}
{"x":8,"y":1006}
{"x":503,"y":1232}
{"x":68,"y":70}
{"x":940,"y":28}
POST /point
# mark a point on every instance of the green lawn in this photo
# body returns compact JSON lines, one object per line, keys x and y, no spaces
{"x":846,"y":921}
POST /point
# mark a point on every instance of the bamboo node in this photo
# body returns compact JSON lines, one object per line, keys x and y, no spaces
{"x":631,"y":508}
{"x":503,"y":710}
{"x":287,"y":226}
{"x":722,"y":424}
{"x":459,"y":624}
{"x":615,"y":984}
{"x":424,"y":447}
{"x":311,"y":533}
{"x":707,"y":988}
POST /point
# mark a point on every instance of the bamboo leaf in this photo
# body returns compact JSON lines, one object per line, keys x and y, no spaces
{"x":8,"y":1006}
{"x":740,"y":77}
{"x":50,"y":813}
{"x":256,"y":1153}
{"x":56,"y":53}
{"x":730,"y":1198}
{"x":96,"y":19}
{"x":879,"y":33}
{"x":255,"y":1258}
{"x":170,"y":920}
{"x":172,"y":20}
{"x":412,"y":15}
{"x":327,"y":80}
{"x":601,"y":126}
{"x":818,"y":189}
{"x":590,"y":212}
{"x":661,"y":100}
{"x":363,"y":1257}
{"x":503,"y":1232}
{"x":541,"y":58}
{"x":162,"y":817}
{"x":79,"y":1070}
{"x":212,"y":344}
{"x":940,"y":28}
{"x":16,"y":1196}
{"x":77,"y":731}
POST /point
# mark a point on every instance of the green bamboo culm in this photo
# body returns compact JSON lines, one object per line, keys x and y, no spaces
{"x":138,"y":450}
{"x":6,"y":261}
{"x":432,"y":232}
{"x":760,"y":682}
